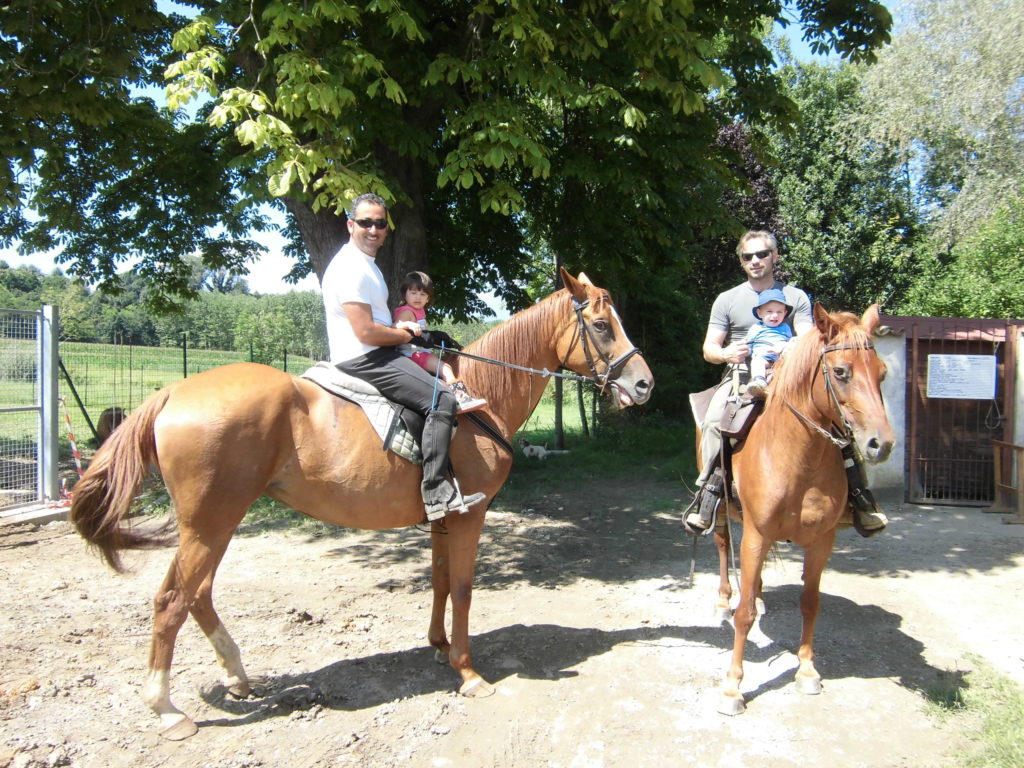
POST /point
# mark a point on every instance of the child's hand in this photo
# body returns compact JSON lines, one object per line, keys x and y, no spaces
{"x":436,"y":339}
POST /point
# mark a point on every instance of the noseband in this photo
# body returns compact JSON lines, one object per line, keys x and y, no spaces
{"x":585,"y":335}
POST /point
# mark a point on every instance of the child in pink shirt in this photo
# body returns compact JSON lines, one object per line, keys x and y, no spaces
{"x":417,"y":291}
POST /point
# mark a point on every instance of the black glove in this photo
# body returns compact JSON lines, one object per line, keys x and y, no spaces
{"x":435,"y":339}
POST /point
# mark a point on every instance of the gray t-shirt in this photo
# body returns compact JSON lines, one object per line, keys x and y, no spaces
{"x":733,"y":310}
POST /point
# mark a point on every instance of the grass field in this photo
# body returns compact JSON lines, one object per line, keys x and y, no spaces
{"x":107,"y":375}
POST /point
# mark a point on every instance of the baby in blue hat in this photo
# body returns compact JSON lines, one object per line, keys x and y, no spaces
{"x":767,"y":337}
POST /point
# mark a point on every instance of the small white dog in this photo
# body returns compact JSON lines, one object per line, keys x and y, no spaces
{"x":531,"y":451}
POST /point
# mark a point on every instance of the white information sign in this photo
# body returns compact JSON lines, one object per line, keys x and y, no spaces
{"x":964,"y":377}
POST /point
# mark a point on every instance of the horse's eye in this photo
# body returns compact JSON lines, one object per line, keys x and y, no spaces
{"x":601,"y":326}
{"x":841,"y":372}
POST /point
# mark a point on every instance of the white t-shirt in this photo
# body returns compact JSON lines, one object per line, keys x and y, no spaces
{"x":352,"y":276}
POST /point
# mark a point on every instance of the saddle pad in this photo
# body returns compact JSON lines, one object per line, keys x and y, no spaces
{"x":384,"y":415}
{"x":699,"y":402}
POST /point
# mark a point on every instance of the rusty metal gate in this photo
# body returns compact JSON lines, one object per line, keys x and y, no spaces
{"x":960,"y":385}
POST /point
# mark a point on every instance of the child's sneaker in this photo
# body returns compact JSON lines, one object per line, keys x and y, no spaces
{"x":757,"y":388}
{"x":466,"y":402}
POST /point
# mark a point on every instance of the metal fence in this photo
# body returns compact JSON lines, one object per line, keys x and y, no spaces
{"x":51,"y":392}
{"x":102,"y":377}
{"x":28,"y":444}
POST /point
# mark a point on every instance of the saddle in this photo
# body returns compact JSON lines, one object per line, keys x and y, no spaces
{"x":400,"y":428}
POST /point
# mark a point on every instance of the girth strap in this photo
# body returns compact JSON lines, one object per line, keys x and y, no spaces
{"x":491,"y":431}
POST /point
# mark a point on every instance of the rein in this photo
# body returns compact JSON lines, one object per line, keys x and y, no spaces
{"x":584,"y":334}
{"x":839,"y":441}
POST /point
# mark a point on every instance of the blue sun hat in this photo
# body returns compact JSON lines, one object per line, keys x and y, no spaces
{"x":772,"y":294}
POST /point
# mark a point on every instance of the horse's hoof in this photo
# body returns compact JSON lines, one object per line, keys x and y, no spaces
{"x":722,"y":615}
{"x":179,"y":730}
{"x":731,"y":704}
{"x":476,"y":689}
{"x":809,"y":685}
{"x":239,"y":690}
{"x":441,"y":657}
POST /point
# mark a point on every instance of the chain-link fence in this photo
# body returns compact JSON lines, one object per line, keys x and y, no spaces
{"x":19,"y":407}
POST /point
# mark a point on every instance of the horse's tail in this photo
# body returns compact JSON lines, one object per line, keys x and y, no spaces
{"x":104,"y":494}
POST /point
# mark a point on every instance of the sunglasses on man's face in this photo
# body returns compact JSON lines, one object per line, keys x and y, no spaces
{"x":367,"y":223}
{"x":760,"y":255}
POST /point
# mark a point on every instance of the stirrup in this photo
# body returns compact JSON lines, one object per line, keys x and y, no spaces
{"x":868,"y":519}
{"x":708,"y":501}
{"x":456,"y":503}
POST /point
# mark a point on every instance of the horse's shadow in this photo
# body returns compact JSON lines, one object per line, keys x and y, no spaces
{"x":886,"y":651}
{"x":369,"y":681}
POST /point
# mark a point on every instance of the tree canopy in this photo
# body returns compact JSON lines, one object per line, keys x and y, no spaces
{"x":464,"y":115}
{"x":848,"y":223}
{"x":948,"y":90}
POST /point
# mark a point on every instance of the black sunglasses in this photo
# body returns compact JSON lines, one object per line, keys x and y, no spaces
{"x":761,"y":255}
{"x":367,"y":223}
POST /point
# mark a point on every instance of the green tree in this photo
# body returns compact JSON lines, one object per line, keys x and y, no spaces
{"x":948,"y":90}
{"x":108,"y":175}
{"x":75,"y":310}
{"x":458,"y":113}
{"x":848,"y":222}
{"x":982,"y":277}
{"x":24,"y":285}
{"x":265,"y":329}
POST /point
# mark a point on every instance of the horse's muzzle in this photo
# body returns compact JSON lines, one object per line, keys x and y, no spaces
{"x":633,"y":390}
{"x":875,"y":449}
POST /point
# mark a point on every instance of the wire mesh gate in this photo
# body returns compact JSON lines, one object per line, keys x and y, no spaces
{"x":960,"y":394}
{"x":28,"y":400}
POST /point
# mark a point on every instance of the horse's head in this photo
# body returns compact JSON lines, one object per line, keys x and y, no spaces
{"x":596,"y":344}
{"x":852,"y":374}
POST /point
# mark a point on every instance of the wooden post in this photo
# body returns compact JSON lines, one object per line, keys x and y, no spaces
{"x":1009,"y":490}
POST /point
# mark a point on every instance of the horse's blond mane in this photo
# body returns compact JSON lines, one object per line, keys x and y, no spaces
{"x":795,"y":370}
{"x":515,"y":341}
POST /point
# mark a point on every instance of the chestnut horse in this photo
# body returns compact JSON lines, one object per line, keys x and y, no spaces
{"x":225,"y":437}
{"x":790,"y":477}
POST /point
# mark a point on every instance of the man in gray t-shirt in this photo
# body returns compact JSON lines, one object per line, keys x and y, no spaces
{"x":732,"y":314}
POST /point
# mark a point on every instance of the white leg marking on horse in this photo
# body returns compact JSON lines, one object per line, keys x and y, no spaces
{"x":174,"y":724}
{"x":231,"y":659}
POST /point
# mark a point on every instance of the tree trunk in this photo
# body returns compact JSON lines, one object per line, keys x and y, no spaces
{"x":324,"y":232}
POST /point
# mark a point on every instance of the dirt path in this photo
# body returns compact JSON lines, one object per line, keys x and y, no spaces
{"x":582,"y":618}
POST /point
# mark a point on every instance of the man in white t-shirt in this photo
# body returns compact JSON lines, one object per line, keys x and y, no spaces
{"x":364,"y":344}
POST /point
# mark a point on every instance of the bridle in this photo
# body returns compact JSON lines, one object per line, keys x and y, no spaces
{"x":846,"y":437}
{"x":585,"y":336}
{"x":582,"y":334}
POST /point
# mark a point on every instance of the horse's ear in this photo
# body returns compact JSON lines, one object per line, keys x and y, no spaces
{"x":822,"y":320}
{"x":870,"y":320}
{"x":574,"y":286}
